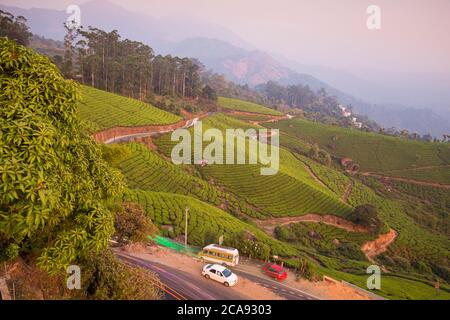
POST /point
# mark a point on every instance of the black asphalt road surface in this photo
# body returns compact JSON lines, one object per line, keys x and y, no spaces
{"x":181,"y":285}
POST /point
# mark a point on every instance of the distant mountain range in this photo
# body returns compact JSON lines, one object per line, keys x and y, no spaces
{"x":224,"y":52}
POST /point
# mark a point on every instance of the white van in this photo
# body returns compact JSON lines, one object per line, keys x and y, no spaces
{"x":220,"y":254}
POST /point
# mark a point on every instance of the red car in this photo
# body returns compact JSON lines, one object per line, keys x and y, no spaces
{"x":274,"y":271}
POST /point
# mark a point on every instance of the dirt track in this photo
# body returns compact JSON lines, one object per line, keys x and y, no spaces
{"x":107,"y":135}
{"x":270,"y":224}
{"x":418,"y":182}
{"x":347,"y":193}
{"x":373,"y":248}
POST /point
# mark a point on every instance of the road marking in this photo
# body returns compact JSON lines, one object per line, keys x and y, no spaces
{"x":282,"y":285}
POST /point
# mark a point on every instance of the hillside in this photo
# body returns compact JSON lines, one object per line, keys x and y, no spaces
{"x":88,"y":176}
{"x":233,"y":195}
{"x":107,"y":110}
{"x":374,"y":152}
{"x":206,"y":223}
{"x":245,"y":106}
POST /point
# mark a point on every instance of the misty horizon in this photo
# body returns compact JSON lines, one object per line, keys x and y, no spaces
{"x":413,"y":36}
{"x":403,"y":65}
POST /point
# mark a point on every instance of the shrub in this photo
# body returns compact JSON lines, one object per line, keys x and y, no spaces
{"x":350,"y":250}
{"x":104,"y":277}
{"x":402,"y":263}
{"x":114,"y":154}
{"x":132,"y":223}
{"x":12,"y":252}
{"x":282,"y":233}
{"x":367,"y":216}
{"x":210,"y":237}
{"x":306,"y":269}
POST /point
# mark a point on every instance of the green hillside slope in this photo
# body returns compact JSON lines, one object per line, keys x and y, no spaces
{"x":205,"y":224}
{"x":146,"y":170}
{"x":373,"y":152}
{"x":108,"y":110}
{"x":240,"y":105}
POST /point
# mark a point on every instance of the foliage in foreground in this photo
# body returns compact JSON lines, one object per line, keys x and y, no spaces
{"x":132,"y":224}
{"x":44,"y":205}
{"x":106,"y":278}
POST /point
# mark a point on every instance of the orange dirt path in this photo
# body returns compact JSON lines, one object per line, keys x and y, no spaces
{"x":375,"y":247}
{"x":270,"y":224}
{"x":418,"y":182}
{"x":121,"y":131}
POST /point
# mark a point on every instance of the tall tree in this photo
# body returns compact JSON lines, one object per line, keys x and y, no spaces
{"x":14,"y":28}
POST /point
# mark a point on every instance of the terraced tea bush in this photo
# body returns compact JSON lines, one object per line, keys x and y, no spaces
{"x":326,"y":240}
{"x":373,"y":152}
{"x":108,"y":110}
{"x":240,"y":105}
{"x":428,"y":206}
{"x":333,"y":179}
{"x":146,"y":170}
{"x":166,"y":209}
{"x":292,"y":191}
{"x":249,"y":117}
{"x":434,"y":174}
{"x":277,"y":195}
{"x":414,"y":242}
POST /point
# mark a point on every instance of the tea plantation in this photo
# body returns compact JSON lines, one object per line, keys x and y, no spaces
{"x":205,"y":223}
{"x":373,"y":152}
{"x":108,"y":110}
{"x":240,"y":105}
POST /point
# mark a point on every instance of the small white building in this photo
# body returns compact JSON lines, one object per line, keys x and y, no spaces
{"x":345,"y":112}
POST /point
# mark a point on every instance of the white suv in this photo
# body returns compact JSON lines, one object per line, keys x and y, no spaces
{"x":220,"y":274}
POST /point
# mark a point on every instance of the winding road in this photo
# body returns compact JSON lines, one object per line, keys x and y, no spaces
{"x":179,"y":285}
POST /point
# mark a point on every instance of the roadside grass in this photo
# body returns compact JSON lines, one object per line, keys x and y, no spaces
{"x":394,"y":287}
{"x":325,"y":239}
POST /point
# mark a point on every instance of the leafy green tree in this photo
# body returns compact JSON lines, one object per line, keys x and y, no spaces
{"x":314,"y":152}
{"x":67,"y":64}
{"x":366,"y":215}
{"x":14,"y":28}
{"x":106,"y":278}
{"x":209,"y":93}
{"x":282,"y":233}
{"x":54,"y":182}
{"x":132,"y":223}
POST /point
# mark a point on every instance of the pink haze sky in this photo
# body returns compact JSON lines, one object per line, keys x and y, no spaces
{"x":414,"y":36}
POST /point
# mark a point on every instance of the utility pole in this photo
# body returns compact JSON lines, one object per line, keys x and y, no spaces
{"x":186,"y":227}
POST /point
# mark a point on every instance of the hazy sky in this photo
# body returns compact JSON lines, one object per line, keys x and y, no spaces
{"x":414,"y":35}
